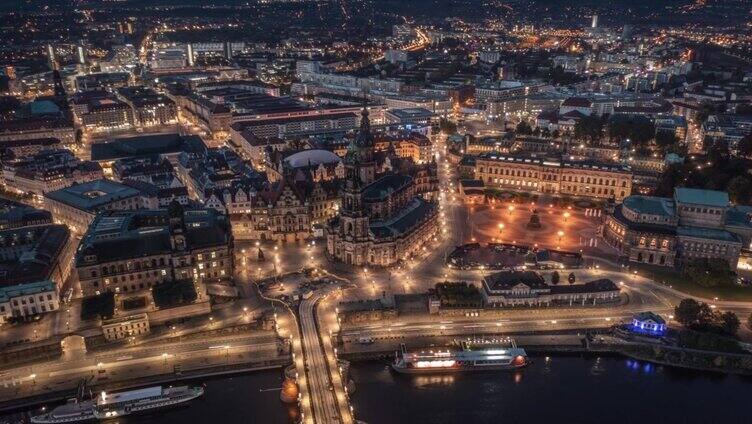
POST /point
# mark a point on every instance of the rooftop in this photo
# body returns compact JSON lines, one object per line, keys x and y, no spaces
{"x":92,"y":195}
{"x":114,"y":236}
{"x":386,"y":185}
{"x":312,"y":157}
{"x":415,"y":212}
{"x":145,"y":145}
{"x":707,"y":233}
{"x":650,"y":205}
{"x":696,"y":196}
{"x":505,"y":280}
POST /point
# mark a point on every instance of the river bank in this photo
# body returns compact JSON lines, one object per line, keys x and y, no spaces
{"x":600,"y":342}
{"x":240,"y":397}
{"x":156,"y":379}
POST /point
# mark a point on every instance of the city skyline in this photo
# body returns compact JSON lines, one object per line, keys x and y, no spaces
{"x":351,"y":211}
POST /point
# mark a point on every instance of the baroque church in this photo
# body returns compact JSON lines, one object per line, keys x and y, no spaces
{"x":383,"y":218}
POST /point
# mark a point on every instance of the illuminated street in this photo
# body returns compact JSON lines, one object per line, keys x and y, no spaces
{"x":361,"y":194}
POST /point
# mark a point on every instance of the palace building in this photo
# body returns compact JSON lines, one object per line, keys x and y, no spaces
{"x":693,"y":224}
{"x":382,"y":219}
{"x":562,"y":177}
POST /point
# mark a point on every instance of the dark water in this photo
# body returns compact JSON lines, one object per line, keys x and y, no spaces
{"x":566,"y":389}
{"x":245,"y":398}
{"x":562,"y":390}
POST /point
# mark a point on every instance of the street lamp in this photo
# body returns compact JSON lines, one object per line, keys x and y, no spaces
{"x":510,"y":209}
{"x":501,"y":230}
{"x":560,"y":234}
{"x":566,"y":216}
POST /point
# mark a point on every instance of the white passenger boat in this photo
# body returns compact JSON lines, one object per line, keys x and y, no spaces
{"x":118,"y":404}
{"x":465,"y":357}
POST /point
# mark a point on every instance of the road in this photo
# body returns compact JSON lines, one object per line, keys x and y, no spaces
{"x":134,"y":362}
{"x":325,"y":388}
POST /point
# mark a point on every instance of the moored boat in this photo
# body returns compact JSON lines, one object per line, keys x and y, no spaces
{"x":118,"y":404}
{"x":466,"y":356}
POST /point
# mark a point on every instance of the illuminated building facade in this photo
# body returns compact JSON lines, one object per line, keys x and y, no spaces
{"x":381,"y":220}
{"x":561,"y":177}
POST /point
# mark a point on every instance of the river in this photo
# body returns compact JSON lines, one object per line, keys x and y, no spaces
{"x":561,"y":389}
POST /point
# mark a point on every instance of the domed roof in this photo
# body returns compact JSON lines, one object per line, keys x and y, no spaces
{"x":311,"y":157}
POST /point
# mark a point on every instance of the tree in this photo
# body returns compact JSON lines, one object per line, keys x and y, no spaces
{"x":447,"y":126}
{"x":708,"y":272}
{"x":740,"y":189}
{"x":729,"y":323}
{"x":665,"y":139}
{"x":589,"y":128}
{"x":638,"y":130}
{"x":718,"y":152}
{"x":687,"y":312}
{"x":99,"y":306}
{"x":571,"y":278}
{"x":744,"y":147}
{"x":555,"y":279}
{"x":260,"y":255}
{"x":699,"y":316}
{"x":523,"y":128}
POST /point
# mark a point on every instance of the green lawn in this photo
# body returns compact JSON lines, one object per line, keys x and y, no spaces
{"x":679,"y":282}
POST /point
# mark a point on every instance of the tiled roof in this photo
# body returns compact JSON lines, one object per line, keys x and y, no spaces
{"x":417,"y":211}
{"x":701,"y":197}
{"x":505,"y":280}
{"x":707,"y":233}
{"x":93,"y":194}
{"x":382,"y":187}
{"x":650,"y":205}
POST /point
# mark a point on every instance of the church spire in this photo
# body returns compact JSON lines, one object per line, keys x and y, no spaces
{"x":365,"y":138}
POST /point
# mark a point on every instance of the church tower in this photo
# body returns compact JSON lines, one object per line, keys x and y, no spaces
{"x":360,"y":170}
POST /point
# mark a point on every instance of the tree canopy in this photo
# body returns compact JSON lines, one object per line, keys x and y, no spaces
{"x":523,"y":128}
{"x":699,"y":316}
{"x":638,"y":130}
{"x":709,"y":272}
{"x":589,"y":128}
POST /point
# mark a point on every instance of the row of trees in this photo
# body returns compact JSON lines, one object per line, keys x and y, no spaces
{"x":458,"y":294}
{"x":638,"y":130}
{"x":699,"y":316}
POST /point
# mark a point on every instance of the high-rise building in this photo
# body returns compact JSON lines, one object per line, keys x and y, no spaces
{"x":81,"y":54}
{"x":189,"y":53}
{"x":594,"y":23}
{"x":51,"y":59}
{"x":228,"y":50}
